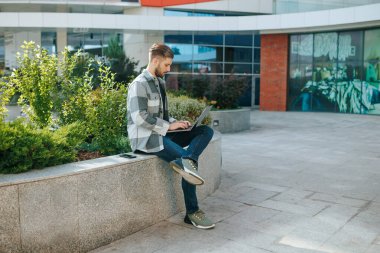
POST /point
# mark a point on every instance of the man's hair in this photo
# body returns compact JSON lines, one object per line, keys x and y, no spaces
{"x":162,"y":50}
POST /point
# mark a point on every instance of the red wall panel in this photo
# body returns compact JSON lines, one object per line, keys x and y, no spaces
{"x":163,"y":3}
{"x":274,"y":72}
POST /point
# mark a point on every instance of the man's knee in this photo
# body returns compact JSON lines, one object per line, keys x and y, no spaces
{"x":208,"y":131}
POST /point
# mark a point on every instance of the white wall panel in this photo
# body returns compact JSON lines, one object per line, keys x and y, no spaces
{"x":31,"y":20}
{"x":60,"y":20}
{"x":331,"y":19}
{"x":9,"y":20}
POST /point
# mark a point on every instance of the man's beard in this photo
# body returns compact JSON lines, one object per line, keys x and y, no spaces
{"x":159,"y":73}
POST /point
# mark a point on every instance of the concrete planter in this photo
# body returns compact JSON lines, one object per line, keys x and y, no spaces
{"x":81,"y":206}
{"x":231,"y":121}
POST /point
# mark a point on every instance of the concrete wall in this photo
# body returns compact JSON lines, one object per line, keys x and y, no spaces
{"x":231,"y":121}
{"x":81,"y":206}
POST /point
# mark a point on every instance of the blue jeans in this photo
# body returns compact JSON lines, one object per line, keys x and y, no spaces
{"x":197,"y":140}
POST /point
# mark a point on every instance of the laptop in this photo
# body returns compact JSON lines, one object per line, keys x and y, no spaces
{"x":197,"y":122}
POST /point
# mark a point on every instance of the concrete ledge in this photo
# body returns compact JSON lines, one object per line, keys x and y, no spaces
{"x":231,"y":121}
{"x":81,"y":206}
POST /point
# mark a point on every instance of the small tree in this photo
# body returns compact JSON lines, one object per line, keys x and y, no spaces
{"x":121,"y":65}
{"x":227,"y":92}
{"x":73,"y":95}
{"x":35,"y":79}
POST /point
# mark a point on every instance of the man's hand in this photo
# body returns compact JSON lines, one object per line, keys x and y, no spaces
{"x":179,"y":125}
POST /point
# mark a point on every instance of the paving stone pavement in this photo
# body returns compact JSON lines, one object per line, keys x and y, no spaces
{"x":294,"y":183}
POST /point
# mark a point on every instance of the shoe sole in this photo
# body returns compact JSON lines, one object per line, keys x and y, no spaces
{"x":188,"y":176}
{"x":188,"y":221}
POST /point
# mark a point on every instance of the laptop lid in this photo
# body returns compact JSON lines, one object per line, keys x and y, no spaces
{"x":197,"y":122}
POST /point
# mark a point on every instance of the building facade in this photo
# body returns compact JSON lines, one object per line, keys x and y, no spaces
{"x":297,"y":55}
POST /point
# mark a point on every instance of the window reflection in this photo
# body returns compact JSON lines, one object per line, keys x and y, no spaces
{"x":208,"y":53}
{"x":236,"y":54}
{"x":182,"y":52}
{"x":208,"y":39}
{"x":49,"y":42}
{"x":91,"y":42}
{"x":335,"y":78}
{"x":213,"y":56}
{"x":238,"y":68}
{"x":238,"y":40}
{"x":208,"y":67}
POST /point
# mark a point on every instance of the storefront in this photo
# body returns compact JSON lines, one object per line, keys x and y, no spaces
{"x":335,"y":72}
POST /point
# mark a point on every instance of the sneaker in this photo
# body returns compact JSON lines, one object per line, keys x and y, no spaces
{"x":188,"y":170}
{"x":199,"y":220}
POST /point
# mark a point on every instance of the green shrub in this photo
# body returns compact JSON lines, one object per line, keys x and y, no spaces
{"x":106,"y":116}
{"x":185,"y":108}
{"x":72,"y":96}
{"x":24,"y":147}
{"x":121,"y":65}
{"x":227,"y":92}
{"x":35,"y":79}
{"x":6,"y":93}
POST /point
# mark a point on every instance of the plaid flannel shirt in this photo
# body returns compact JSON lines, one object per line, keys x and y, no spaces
{"x":145,"y":113}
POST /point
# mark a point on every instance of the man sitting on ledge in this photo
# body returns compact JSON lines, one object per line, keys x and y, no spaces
{"x":149,"y":123}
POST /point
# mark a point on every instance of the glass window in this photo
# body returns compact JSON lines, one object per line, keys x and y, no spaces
{"x":216,"y":39}
{"x":257,"y":42}
{"x":208,"y":53}
{"x":190,"y":13}
{"x":256,"y":68}
{"x":93,"y":44}
{"x":301,"y":48}
{"x":238,"y":40}
{"x":208,"y":67}
{"x":246,"y":98}
{"x":179,"y":38}
{"x":257,"y":90}
{"x":176,"y":13}
{"x":257,"y":55}
{"x":237,"y":54}
{"x":350,"y":47}
{"x":48,"y":41}
{"x":371,"y":83}
{"x":238,"y":68}
{"x":300,"y":72}
{"x":181,"y":67}
{"x":75,"y":41}
{"x":325,"y":47}
{"x":182,"y":52}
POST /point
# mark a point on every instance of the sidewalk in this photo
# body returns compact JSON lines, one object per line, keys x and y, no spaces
{"x":294,"y":183}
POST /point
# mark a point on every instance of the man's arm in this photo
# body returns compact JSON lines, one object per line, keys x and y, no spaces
{"x":137,"y":103}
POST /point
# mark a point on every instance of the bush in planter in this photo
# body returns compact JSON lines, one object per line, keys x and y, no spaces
{"x":193,"y":86}
{"x":6,"y":93}
{"x":72,"y":96}
{"x":24,"y":147}
{"x":106,"y":115}
{"x":226,"y":92}
{"x":185,"y":108}
{"x":35,"y":79}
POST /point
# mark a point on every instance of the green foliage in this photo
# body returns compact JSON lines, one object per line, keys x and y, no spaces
{"x":6,"y":93}
{"x":227,"y":92}
{"x":196,"y":86}
{"x":185,"y":108}
{"x":24,"y":147}
{"x":73,"y":95}
{"x":221,"y":92}
{"x":121,"y":65}
{"x":35,"y":79}
{"x":106,"y":116}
